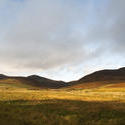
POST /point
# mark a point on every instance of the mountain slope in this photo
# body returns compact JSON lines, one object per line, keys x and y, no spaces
{"x":101,"y":78}
{"x":41,"y":81}
{"x":31,"y":81}
{"x":2,"y":76}
{"x":105,"y":75}
{"x":94,"y":80}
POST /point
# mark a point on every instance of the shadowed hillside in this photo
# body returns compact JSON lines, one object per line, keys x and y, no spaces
{"x":101,"y":78}
{"x":96,"y":79}
{"x":48,"y":83}
{"x":31,"y":81}
{"x":2,"y":76}
{"x":105,"y":75}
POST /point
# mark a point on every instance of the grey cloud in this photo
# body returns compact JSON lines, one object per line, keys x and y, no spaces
{"x":48,"y":34}
{"x":45,"y":35}
{"x":114,"y":26}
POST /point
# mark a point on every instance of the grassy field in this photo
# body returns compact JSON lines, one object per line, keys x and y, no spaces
{"x":97,"y":106}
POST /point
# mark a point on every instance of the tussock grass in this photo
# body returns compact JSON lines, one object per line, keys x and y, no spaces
{"x":98,"y":106}
{"x":61,"y":112}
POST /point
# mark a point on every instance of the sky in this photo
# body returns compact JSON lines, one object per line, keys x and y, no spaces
{"x":61,"y":39}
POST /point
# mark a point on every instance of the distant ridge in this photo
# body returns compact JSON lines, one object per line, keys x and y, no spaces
{"x":102,"y":77}
{"x":33,"y":80}
{"x":2,"y":76}
{"x":105,"y":75}
{"x":98,"y":77}
{"x":47,"y":82}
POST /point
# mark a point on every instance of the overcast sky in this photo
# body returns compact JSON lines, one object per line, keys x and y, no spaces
{"x":61,"y":39}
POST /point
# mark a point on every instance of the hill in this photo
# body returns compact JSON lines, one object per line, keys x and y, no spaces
{"x":105,"y":75}
{"x":2,"y":76}
{"x":31,"y":82}
{"x":115,"y":78}
{"x":109,"y":78}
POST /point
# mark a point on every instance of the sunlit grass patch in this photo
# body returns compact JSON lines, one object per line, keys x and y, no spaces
{"x":96,"y":106}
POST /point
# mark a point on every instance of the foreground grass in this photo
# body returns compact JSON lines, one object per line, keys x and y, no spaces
{"x":61,"y":112}
{"x":62,"y":107}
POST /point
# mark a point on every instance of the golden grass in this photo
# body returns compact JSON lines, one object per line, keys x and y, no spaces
{"x":95,"y":106}
{"x":100,"y":94}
